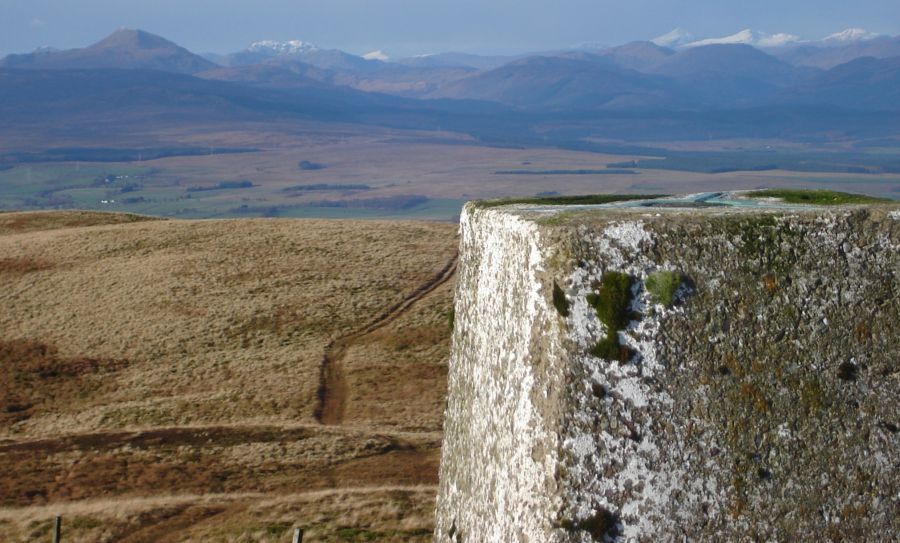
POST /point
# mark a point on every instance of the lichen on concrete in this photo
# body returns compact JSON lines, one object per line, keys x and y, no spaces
{"x":760,"y":405}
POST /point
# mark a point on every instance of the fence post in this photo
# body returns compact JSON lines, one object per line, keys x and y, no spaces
{"x":57,"y":529}
{"x":298,"y":535}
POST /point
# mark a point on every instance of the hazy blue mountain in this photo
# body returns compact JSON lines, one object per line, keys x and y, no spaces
{"x":640,"y":75}
{"x":276,"y":52}
{"x":571,"y":81}
{"x":865,"y":83}
{"x":114,"y":98}
{"x":731,"y":75}
{"x":114,"y":103}
{"x":636,"y":89}
{"x":334,"y":67}
{"x":269,"y":75}
{"x":124,"y":49}
{"x":828,"y":55}
{"x":464,"y":60}
{"x":642,"y":56}
{"x":732,"y":61}
{"x":262,"y":51}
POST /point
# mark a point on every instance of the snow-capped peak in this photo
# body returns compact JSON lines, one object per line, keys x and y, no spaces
{"x":675,"y":38}
{"x":679,"y":38}
{"x":749,"y":37}
{"x":290,"y":47}
{"x":851,"y":35}
{"x":777,"y":40}
{"x":377,"y":55}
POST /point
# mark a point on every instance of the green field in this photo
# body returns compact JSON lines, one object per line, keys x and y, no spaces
{"x":51,"y":185}
{"x":371,"y":176}
{"x":144,"y":190}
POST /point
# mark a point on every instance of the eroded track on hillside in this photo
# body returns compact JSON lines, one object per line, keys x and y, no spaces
{"x":333,"y":388}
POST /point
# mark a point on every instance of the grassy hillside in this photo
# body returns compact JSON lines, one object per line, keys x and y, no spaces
{"x":161,"y":378}
{"x":23,"y":222}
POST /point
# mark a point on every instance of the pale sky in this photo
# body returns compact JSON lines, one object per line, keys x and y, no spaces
{"x":409,"y":27}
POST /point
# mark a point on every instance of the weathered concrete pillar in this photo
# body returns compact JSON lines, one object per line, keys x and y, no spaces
{"x":670,"y":373}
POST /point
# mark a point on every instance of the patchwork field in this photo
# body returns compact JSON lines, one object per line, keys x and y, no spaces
{"x":343,"y":171}
{"x":165,"y":380}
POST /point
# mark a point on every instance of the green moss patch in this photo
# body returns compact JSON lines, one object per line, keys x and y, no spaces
{"x":816,"y":197}
{"x":609,"y":348}
{"x":612,"y":305}
{"x":662,"y":286}
{"x":590,"y":199}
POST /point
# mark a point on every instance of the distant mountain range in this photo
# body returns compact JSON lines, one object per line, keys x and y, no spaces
{"x":835,"y":53}
{"x":749,"y":37}
{"x":676,"y":73}
{"x":867,"y":82}
{"x":262,"y":51}
{"x":682,"y":38}
{"x":825,"y":53}
{"x":643,"y":75}
{"x":580,"y":81}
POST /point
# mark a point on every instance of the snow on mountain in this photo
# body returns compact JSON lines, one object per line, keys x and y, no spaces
{"x":680,"y":38}
{"x":676,"y":38}
{"x":746,"y":36}
{"x":749,"y":37}
{"x":291,"y":47}
{"x":850,"y":35}
{"x":377,"y":55}
{"x":777,"y":40}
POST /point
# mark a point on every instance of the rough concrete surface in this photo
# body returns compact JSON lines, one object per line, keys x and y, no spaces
{"x":761,"y":405}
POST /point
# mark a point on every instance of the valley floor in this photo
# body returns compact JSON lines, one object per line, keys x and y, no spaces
{"x":366,"y":172}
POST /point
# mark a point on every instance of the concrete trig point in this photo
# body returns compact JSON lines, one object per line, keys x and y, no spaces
{"x":757,"y":400}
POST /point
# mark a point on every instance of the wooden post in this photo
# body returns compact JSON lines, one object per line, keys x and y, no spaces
{"x":57,"y":529}
{"x":298,"y":535}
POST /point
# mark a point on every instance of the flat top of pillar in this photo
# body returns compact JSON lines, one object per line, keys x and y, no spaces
{"x":769,"y":200}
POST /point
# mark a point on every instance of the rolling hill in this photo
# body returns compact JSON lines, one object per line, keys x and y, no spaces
{"x":161,"y":378}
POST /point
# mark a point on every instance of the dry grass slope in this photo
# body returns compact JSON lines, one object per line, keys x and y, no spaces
{"x":159,"y":378}
{"x":31,"y":221}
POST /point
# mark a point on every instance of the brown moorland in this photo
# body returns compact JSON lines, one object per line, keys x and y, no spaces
{"x":161,"y":379}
